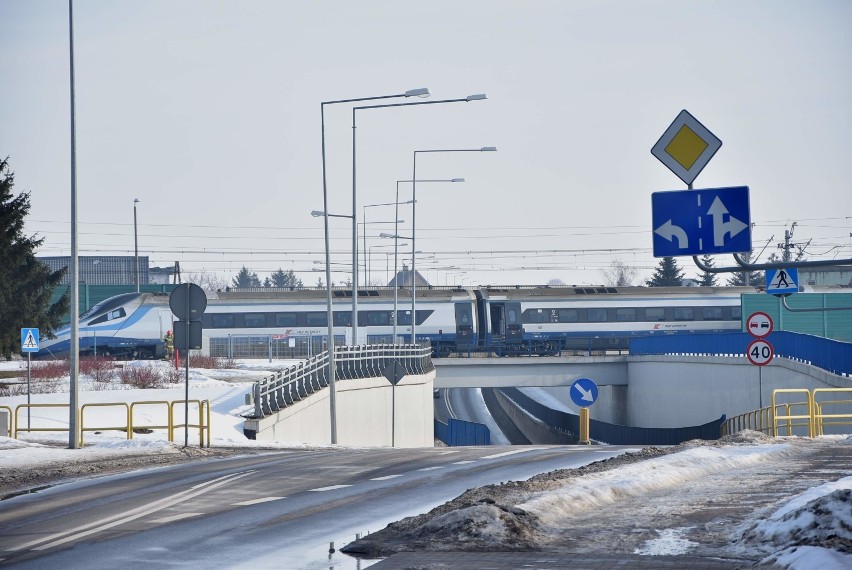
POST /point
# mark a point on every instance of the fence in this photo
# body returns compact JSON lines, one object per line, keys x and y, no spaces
{"x":831,"y":355}
{"x":458,"y":432}
{"x":128,"y":425}
{"x":286,"y":387}
{"x":807,"y":417}
{"x":270,"y":346}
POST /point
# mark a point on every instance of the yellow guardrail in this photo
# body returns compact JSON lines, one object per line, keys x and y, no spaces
{"x":813,"y":414}
{"x":11,"y":424}
{"x":128,"y":423}
{"x":203,"y":424}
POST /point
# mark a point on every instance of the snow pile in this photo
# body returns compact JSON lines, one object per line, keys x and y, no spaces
{"x":601,"y":489}
{"x":669,"y":543}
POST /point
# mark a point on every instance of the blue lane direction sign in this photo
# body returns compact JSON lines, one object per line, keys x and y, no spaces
{"x":584,"y":392}
{"x":782,"y":281}
{"x":701,"y":222}
{"x":29,"y":340}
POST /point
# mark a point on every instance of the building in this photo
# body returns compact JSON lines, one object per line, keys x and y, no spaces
{"x":102,"y":269}
{"x":838,"y":275}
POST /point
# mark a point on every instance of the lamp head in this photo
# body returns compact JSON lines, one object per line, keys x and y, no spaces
{"x":135,"y":201}
{"x":477,"y":97}
{"x":386,"y":235}
{"x":318,"y":213}
{"x":489,"y":149}
{"x":457,"y":180}
{"x":422,"y":92}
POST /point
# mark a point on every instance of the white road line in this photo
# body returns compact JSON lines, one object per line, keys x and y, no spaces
{"x":463,"y":462}
{"x":448,"y":452}
{"x":386,"y":477}
{"x":115,"y":520}
{"x":447,"y":402}
{"x":431,"y":468}
{"x":256,"y":501}
{"x":331,"y":488}
{"x":177,"y":517}
{"x":513,"y":452}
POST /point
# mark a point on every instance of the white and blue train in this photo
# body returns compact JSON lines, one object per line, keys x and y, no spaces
{"x":503,"y":320}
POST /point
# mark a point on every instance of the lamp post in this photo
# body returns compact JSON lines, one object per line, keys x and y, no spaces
{"x":469,"y":98}
{"x":414,"y":182}
{"x":363,"y":223}
{"x":397,"y":237}
{"x":135,"y":245}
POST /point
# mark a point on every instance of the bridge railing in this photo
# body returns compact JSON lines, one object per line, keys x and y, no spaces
{"x":284,"y":388}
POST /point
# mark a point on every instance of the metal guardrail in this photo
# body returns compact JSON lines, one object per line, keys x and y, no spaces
{"x":287,"y":387}
{"x":203,"y":424}
{"x":786,"y":417}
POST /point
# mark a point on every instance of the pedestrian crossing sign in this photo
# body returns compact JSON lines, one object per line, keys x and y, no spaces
{"x":29,"y":340}
{"x":782,"y":281}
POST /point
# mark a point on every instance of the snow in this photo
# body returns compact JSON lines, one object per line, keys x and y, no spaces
{"x":796,"y":530}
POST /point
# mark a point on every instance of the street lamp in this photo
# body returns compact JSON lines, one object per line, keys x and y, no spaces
{"x":397,"y":237}
{"x":364,"y":232}
{"x":420,"y":92}
{"x":135,"y":244}
{"x":469,"y":98}
{"x":414,"y":221}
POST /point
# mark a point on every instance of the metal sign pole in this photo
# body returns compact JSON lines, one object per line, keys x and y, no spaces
{"x":186,"y":399}
{"x":28,"y":392}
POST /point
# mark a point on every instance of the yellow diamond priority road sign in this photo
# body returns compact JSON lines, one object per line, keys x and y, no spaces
{"x":686,"y":147}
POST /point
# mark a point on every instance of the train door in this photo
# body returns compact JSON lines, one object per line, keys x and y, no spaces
{"x":464,"y":325}
{"x":506,"y":325}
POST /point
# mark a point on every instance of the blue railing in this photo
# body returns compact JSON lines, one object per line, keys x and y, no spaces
{"x":831,"y":355}
{"x":286,"y":387}
{"x":458,"y":432}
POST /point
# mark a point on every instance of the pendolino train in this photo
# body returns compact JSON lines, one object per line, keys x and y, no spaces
{"x":502,"y":320}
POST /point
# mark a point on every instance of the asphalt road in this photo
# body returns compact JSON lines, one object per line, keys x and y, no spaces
{"x":273,"y":510}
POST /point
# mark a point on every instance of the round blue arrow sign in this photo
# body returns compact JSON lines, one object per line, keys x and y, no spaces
{"x":584,"y":392}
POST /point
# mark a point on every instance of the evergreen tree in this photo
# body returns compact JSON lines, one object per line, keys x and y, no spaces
{"x":283,"y":278}
{"x":246,"y":278}
{"x":707,"y":278}
{"x":746,"y":278}
{"x":26,"y":284}
{"x":667,"y":274}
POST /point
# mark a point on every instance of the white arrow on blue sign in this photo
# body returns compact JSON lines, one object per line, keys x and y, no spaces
{"x":29,"y":340}
{"x":701,"y":222}
{"x":584,"y":392}
{"x":782,"y":281}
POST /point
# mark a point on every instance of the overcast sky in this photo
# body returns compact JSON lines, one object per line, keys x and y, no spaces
{"x":208,"y":112}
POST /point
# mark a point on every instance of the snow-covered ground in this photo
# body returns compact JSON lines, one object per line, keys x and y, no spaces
{"x":821,"y":515}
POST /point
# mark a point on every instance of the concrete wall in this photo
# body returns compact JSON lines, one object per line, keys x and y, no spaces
{"x":367,"y":410}
{"x":525,"y":371}
{"x":682,"y":391}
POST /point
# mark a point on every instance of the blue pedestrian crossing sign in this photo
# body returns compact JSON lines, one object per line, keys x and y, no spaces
{"x":782,"y":281}
{"x":29,"y":340}
{"x":701,"y":222}
{"x":584,"y":392}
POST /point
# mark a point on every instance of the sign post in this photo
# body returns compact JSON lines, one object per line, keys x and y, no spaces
{"x":584,"y":393}
{"x":29,"y":344}
{"x":187,"y":303}
{"x":759,"y":351}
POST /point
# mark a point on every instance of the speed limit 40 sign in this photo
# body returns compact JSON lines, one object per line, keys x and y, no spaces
{"x":760,"y":352}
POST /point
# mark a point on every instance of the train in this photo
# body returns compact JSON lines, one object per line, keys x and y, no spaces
{"x":522,"y":320}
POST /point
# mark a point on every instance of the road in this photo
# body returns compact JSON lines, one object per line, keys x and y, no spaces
{"x":467,"y":404}
{"x":280,"y":509}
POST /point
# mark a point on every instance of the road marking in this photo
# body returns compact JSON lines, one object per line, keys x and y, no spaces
{"x":331,"y":488}
{"x":431,"y":468}
{"x":513,"y":452}
{"x":178,"y":517}
{"x":118,"y":519}
{"x":385,"y":478}
{"x":463,"y":462}
{"x":448,"y":452}
{"x":447,"y":403}
{"x":256,"y":501}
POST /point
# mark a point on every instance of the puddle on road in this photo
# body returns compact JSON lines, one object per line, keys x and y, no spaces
{"x":322,"y":557}
{"x":25,"y":492}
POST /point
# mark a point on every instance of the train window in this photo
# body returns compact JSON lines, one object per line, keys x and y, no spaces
{"x":343,"y":318}
{"x":222,"y":321}
{"x":317,"y":319}
{"x":569,"y":315}
{"x":464,"y":314}
{"x":404,"y":317}
{"x":112,"y":315}
{"x":711,"y":313}
{"x":625,"y":314}
{"x":255,"y":320}
{"x":378,"y":318}
{"x":684,"y":314}
{"x":736,"y":313}
{"x":422,"y":316}
{"x":285,"y":320}
{"x":536,"y":316}
{"x":597,"y":315}
{"x":655,"y":314}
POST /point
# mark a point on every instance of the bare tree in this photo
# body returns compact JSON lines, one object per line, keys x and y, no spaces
{"x":207,"y":281}
{"x":619,"y":274}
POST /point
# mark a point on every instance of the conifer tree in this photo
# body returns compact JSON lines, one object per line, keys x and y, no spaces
{"x":667,"y":274}
{"x":707,"y":278}
{"x":26,"y":284}
{"x":246,"y":278}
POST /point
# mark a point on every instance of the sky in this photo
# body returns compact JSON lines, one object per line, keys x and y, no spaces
{"x":208,"y":113}
{"x":778,"y":534}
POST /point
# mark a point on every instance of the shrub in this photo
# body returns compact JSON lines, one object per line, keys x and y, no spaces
{"x":209,"y":362}
{"x":101,"y":369}
{"x":49,"y":370}
{"x":141,"y":377}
